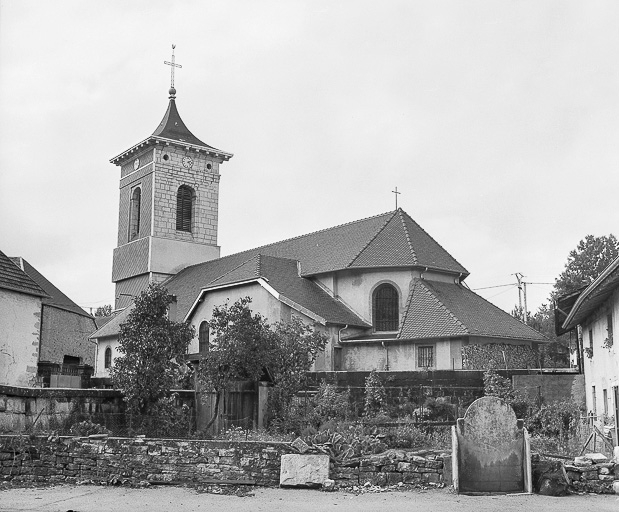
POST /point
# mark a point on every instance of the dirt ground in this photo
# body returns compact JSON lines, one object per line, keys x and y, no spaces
{"x":92,"y":498}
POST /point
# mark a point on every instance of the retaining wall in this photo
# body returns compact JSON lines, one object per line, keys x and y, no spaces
{"x":134,"y":461}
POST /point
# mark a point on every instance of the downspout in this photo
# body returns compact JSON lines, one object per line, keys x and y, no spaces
{"x":423,"y":272}
{"x":387,"y":356}
{"x":339,"y":339}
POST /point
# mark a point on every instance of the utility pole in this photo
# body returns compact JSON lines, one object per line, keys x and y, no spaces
{"x":519,"y":277}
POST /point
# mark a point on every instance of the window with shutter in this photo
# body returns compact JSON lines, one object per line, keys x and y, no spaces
{"x":184,"y":206}
{"x":385,"y":308}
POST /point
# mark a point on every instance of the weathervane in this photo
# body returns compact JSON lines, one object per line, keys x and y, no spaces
{"x":396,"y":196}
{"x":172,"y":66}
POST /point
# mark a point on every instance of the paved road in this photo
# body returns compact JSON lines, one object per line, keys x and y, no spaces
{"x":93,"y":498}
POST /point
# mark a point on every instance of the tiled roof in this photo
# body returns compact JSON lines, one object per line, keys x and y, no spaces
{"x":283,"y":276}
{"x":112,"y":327}
{"x":56,"y":297}
{"x":438,"y":309}
{"x":391,"y":239}
{"x":14,"y":278}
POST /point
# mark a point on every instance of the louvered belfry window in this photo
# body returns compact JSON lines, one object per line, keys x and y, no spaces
{"x":134,"y":214}
{"x":184,"y":203}
{"x":385,"y":308}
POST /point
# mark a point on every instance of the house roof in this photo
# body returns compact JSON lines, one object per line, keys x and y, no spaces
{"x":389,"y":240}
{"x":282,"y":275}
{"x":15,"y":279}
{"x":112,"y":327}
{"x":173,"y":130}
{"x":594,"y":295}
{"x":55,"y":297}
{"x":440,"y":309}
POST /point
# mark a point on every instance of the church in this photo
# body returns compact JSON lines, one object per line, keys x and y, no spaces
{"x":388,"y":296}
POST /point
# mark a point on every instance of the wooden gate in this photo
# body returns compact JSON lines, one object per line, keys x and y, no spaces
{"x":237,"y":408}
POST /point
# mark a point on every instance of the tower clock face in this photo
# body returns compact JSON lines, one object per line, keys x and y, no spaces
{"x":187,"y":162}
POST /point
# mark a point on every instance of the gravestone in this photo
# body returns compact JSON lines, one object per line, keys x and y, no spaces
{"x":490,"y":449}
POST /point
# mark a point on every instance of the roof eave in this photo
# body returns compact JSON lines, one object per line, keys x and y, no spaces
{"x":153,"y":139}
{"x":573,"y":318}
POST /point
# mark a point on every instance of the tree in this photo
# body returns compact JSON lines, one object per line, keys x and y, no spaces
{"x":244,"y":345}
{"x":104,"y":310}
{"x":241,"y":349}
{"x":296,"y":347}
{"x":152,"y":348}
{"x":585,"y":263}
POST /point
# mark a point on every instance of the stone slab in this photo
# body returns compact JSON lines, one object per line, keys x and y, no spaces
{"x":304,"y":470}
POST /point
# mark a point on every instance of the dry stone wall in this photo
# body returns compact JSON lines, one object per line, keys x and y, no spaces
{"x":135,"y":461}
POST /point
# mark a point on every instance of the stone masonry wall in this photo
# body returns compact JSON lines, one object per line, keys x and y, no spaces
{"x":135,"y":461}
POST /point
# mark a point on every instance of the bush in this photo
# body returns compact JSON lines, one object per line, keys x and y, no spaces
{"x":88,"y":428}
{"x":375,"y":402}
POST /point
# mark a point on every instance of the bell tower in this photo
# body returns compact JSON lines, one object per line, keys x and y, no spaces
{"x":169,"y":197}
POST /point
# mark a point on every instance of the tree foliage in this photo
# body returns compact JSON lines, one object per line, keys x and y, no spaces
{"x":585,"y":263}
{"x":152,"y":348}
{"x":104,"y":310}
{"x":244,"y":345}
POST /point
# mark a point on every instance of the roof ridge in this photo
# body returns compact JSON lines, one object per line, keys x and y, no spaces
{"x":256,"y":256}
{"x":409,"y":299}
{"x":257,"y":249}
{"x":380,"y":230}
{"x":442,"y":304}
{"x":408,"y":237}
{"x":433,"y":239}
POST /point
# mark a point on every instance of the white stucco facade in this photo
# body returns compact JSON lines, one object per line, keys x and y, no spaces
{"x":20,"y":324}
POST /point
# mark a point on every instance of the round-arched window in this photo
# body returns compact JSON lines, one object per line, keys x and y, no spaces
{"x":203,"y":335}
{"x":108,"y":358}
{"x":385,"y":308}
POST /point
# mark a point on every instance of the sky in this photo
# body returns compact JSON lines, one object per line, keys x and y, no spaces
{"x":497,"y":121}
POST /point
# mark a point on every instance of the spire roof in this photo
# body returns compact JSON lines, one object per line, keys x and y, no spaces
{"x":172,"y":126}
{"x":172,"y":130}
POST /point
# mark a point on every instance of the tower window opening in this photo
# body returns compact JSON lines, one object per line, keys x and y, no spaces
{"x":184,"y":206}
{"x":134,"y":213}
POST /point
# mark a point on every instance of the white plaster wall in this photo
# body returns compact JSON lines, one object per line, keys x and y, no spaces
{"x":262,"y":302}
{"x":20,"y":317}
{"x":402,"y":356}
{"x":356,"y":288}
{"x":100,"y":370}
{"x":602,"y":370}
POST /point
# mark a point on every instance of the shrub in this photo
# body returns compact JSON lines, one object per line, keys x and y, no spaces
{"x":375,"y":402}
{"x":88,"y":428}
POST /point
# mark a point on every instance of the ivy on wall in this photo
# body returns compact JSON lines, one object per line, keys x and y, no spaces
{"x":498,"y":356}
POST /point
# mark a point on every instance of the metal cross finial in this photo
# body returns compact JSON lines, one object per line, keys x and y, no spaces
{"x":172,"y":65}
{"x":396,"y":196}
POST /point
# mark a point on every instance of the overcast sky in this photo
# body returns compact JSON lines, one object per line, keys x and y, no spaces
{"x":497,"y":120}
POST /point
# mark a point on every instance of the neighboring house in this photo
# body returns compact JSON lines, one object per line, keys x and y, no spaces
{"x":20,"y":324}
{"x":595,"y":313}
{"x":388,"y":296}
{"x":65,"y":327}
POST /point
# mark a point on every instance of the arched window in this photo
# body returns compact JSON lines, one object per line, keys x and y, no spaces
{"x":184,"y":207}
{"x":385,"y":306}
{"x":108,"y":358}
{"x":203,"y":334}
{"x":134,"y":214}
